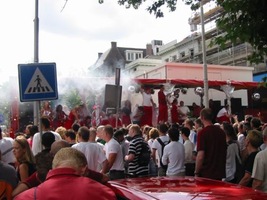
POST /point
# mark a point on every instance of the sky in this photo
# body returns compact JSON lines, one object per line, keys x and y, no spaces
{"x":73,"y":37}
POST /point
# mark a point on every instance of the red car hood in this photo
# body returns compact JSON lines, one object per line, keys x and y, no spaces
{"x":184,"y":188}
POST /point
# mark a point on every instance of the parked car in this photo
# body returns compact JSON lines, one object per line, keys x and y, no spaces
{"x":182,"y":188}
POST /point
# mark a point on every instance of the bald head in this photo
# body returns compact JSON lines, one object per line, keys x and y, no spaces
{"x":57,"y":145}
{"x":70,"y":158}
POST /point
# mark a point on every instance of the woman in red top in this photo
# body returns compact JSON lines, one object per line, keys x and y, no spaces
{"x":73,"y":116}
{"x":60,"y":117}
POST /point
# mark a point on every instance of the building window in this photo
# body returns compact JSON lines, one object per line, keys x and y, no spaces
{"x":182,"y":54}
{"x":191,"y":53}
{"x":133,"y":55}
{"x":174,"y":58}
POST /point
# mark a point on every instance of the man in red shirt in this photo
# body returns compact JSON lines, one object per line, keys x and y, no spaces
{"x":211,"y":149}
{"x":163,"y":108}
{"x":44,"y":164}
{"x":68,"y":166}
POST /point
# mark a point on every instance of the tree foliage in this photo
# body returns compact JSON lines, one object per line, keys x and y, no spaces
{"x":243,"y":20}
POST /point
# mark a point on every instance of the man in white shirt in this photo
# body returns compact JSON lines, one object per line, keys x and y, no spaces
{"x":114,"y":154}
{"x":259,"y":173}
{"x":93,"y":152}
{"x":157,"y":146}
{"x":174,"y":155}
{"x":36,"y":141}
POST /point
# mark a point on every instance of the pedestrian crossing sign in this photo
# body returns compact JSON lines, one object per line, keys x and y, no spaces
{"x":37,"y":81}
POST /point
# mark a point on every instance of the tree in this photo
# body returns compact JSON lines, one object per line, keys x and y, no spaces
{"x":243,"y":20}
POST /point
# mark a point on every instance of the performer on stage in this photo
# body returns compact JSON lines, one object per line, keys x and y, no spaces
{"x":174,"y":112}
{"x":148,"y":103}
{"x":224,"y":115}
{"x":163,"y":108}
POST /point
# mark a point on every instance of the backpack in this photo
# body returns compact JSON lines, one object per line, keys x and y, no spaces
{"x":145,"y":154}
{"x":162,"y":145}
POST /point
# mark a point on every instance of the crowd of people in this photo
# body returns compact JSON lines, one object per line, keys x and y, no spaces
{"x":90,"y":154}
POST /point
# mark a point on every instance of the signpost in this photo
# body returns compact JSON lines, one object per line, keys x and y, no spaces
{"x":37,"y":81}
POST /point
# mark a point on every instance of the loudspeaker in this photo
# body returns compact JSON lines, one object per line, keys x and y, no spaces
{"x":112,"y":96}
{"x":236,"y":105}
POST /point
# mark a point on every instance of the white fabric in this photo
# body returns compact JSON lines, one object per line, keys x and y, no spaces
{"x":5,"y":144}
{"x":192,"y":136}
{"x":156,"y":145}
{"x":36,"y":141}
{"x":112,"y":146}
{"x":260,"y":169}
{"x":174,"y":156}
{"x":189,"y":148}
{"x":184,"y":109}
{"x":241,"y":141}
{"x":147,"y":99}
{"x":124,"y":147}
{"x":222,"y":112}
{"x":93,"y":152}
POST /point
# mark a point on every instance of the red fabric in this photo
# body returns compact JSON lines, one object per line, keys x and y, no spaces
{"x":32,"y":181}
{"x":223,"y":119}
{"x":174,"y":114}
{"x":196,"y":111}
{"x":58,"y":183}
{"x":71,"y":119}
{"x":192,"y":83}
{"x":126,"y":119}
{"x":112,"y":122}
{"x":163,"y":108}
{"x":211,"y":140}
{"x":146,"y":118}
{"x":59,"y":120}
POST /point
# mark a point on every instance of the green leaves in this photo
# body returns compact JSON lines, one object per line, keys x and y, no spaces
{"x":245,"y":21}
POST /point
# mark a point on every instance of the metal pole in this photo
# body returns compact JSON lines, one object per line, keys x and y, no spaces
{"x":37,"y":104}
{"x":117,"y":83}
{"x":36,"y":58}
{"x":205,"y":68}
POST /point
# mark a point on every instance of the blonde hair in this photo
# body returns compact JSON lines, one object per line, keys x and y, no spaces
{"x":135,"y":128}
{"x":153,"y":133}
{"x":69,"y":157}
{"x":255,"y":138}
{"x":61,"y":131}
{"x":24,"y":144}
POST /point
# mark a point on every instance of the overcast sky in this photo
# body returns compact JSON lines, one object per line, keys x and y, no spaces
{"x":72,"y":38}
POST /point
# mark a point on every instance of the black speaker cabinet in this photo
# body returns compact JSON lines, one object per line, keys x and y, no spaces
{"x":112,"y":96}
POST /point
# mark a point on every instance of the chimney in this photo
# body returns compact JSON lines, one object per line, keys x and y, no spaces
{"x":99,"y":55}
{"x":113,"y":44}
{"x":149,"y":50}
